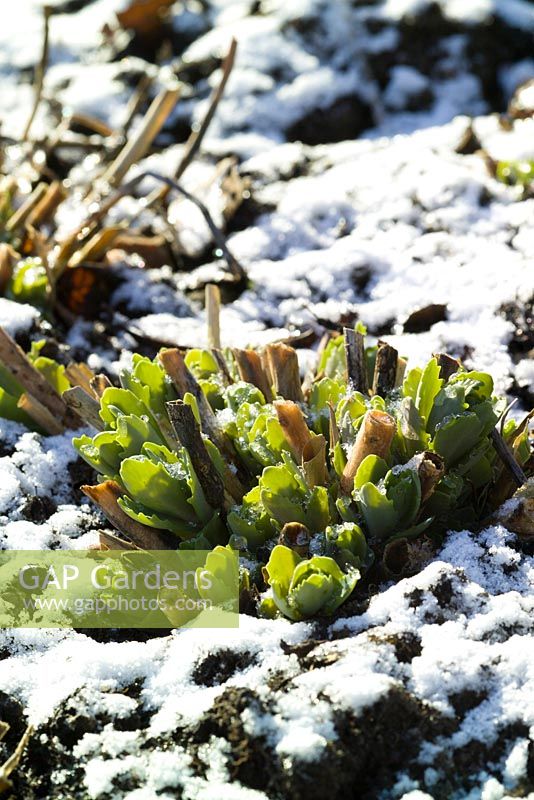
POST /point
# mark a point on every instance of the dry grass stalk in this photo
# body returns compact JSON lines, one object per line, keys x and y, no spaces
{"x":136,"y":101}
{"x":40,"y":72}
{"x":374,"y":438}
{"x":430,"y":469}
{"x":138,"y":145}
{"x":333,"y":429}
{"x":174,"y":365}
{"x":91,"y":123}
{"x":96,"y":248}
{"x":45,"y":209}
{"x":22,"y":213}
{"x":154,"y":250}
{"x":193,"y":143}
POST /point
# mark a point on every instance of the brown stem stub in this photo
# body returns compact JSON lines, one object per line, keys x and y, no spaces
{"x":85,"y":406}
{"x":294,"y":426}
{"x":374,"y":438}
{"x":105,"y":495}
{"x":188,"y":432}
{"x":251,"y":370}
{"x":213,"y":310}
{"x":184,"y":381}
{"x":314,"y":461}
{"x":108,"y":541}
{"x":385,"y":369}
{"x":40,"y":415}
{"x":356,"y":361}
{"x":430,"y":469}
{"x":8,"y":259}
{"x":447,"y":365}
{"x":99,"y":384}
{"x":284,"y":367}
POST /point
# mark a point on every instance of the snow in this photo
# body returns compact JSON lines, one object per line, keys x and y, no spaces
{"x":16,"y":318}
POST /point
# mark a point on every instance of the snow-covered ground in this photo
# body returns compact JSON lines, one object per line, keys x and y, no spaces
{"x":427,"y":692}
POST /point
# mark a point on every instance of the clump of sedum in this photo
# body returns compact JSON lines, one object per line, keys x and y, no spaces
{"x":358,"y":469}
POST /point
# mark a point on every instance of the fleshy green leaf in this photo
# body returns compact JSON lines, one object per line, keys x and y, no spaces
{"x":428,"y":388}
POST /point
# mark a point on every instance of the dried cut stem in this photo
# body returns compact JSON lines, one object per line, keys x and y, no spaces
{"x":14,"y":359}
{"x":22,"y":213}
{"x":139,"y":145}
{"x":284,"y":367}
{"x":79,"y":374}
{"x":213,"y":310}
{"x":374,"y":438}
{"x":294,"y":426}
{"x":356,"y":361}
{"x":99,"y":384}
{"x":385,"y":369}
{"x":135,"y":102}
{"x":40,"y":73}
{"x":251,"y":370}
{"x":40,"y":415}
{"x":110,"y":542}
{"x":314,"y":461}
{"x":184,"y":381}
{"x":223,"y":366}
{"x":333,"y":429}
{"x":174,"y":365}
{"x":85,"y":406}
{"x":430,"y":469}
{"x":447,"y":365}
{"x":8,"y":259}
{"x":188,"y":432}
{"x":401,"y":369}
{"x":47,"y":205}
{"x":105,"y":495}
